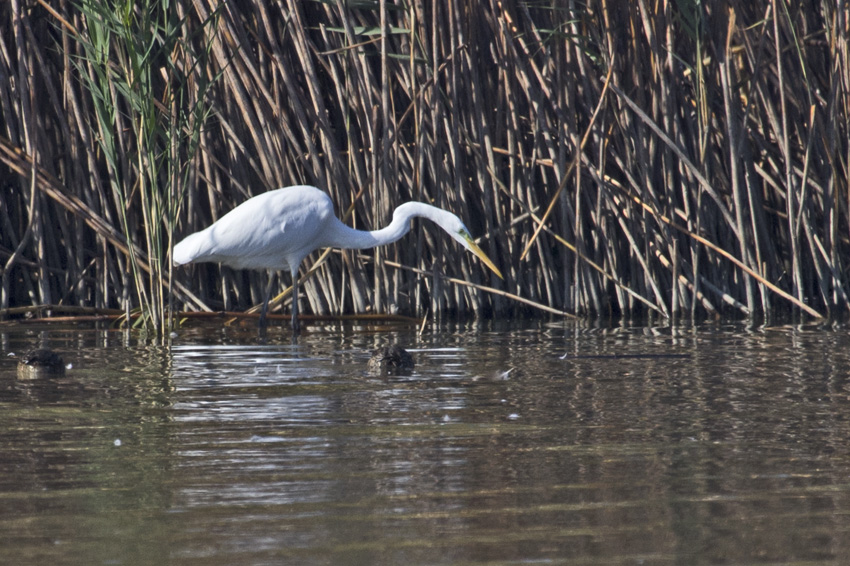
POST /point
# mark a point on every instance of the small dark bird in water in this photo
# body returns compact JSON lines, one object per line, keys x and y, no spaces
{"x":390,"y":358}
{"x":40,"y":362}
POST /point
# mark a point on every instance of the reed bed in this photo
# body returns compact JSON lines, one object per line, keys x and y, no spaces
{"x":675,"y":158}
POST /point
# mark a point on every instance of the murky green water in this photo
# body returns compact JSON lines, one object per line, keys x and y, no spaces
{"x":643,"y":446}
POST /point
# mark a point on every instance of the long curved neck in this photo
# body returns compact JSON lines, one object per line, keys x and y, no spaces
{"x":342,"y":236}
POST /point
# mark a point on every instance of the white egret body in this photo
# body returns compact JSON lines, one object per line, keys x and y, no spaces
{"x":278,"y":229}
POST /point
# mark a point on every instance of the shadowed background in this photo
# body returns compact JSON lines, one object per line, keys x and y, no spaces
{"x":712,"y":177}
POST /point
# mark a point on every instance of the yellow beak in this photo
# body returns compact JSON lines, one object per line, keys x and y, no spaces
{"x":473,"y":247}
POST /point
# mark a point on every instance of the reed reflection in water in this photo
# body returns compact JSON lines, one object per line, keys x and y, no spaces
{"x":642,"y":445}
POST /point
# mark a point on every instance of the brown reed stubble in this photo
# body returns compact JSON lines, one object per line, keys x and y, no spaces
{"x":727,"y":132}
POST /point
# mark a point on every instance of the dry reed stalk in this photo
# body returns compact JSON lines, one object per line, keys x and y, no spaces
{"x":717,"y":170}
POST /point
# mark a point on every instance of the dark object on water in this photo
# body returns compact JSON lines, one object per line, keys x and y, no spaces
{"x":390,"y":358}
{"x":40,"y":362}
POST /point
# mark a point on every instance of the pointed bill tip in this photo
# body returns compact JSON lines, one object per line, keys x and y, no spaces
{"x":473,"y":247}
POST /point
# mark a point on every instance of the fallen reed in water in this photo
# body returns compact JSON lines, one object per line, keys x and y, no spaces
{"x":707,"y":175}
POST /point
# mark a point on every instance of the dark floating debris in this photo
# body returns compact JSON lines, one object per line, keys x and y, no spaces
{"x":40,"y":362}
{"x":390,"y":358}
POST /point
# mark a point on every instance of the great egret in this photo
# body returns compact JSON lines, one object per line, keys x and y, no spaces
{"x":278,"y":229}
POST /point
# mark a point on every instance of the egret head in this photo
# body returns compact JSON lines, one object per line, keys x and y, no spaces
{"x":400,"y":225}
{"x":453,"y":225}
{"x":462,"y":236}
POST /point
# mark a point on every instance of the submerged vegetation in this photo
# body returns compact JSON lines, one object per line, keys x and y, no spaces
{"x":616,"y":158}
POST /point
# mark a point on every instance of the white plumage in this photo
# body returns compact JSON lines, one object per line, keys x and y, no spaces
{"x":278,"y":229}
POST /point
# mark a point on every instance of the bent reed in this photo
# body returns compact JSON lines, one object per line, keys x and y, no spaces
{"x":684,"y":159}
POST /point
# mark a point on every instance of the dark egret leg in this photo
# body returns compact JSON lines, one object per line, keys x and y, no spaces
{"x":268,"y":296}
{"x":296,"y":325}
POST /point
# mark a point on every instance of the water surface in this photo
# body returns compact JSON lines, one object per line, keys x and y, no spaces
{"x":546,"y":443}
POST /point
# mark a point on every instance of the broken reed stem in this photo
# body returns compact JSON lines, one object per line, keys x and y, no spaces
{"x":483,"y":109}
{"x":486,"y":289}
{"x":573,"y":164}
